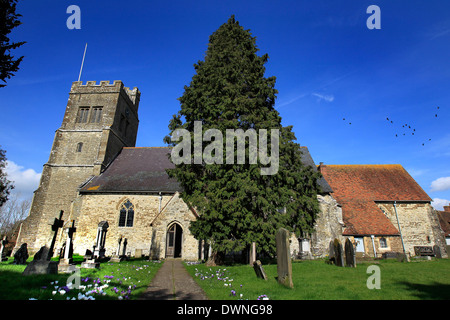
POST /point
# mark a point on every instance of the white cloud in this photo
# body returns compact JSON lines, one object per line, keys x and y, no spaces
{"x":25,"y":180}
{"x":440,"y":184}
{"x":439,"y":204}
{"x":326,"y":97}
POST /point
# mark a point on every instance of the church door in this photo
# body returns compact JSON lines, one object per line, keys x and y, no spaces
{"x":174,"y":241}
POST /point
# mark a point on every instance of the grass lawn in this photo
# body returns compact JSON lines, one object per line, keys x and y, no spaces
{"x":124,"y":280}
{"x":316,"y":280}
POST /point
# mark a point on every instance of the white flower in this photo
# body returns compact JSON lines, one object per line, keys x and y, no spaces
{"x":120,"y":298}
{"x":62,"y":292}
{"x":32,"y":299}
{"x":53,"y":292}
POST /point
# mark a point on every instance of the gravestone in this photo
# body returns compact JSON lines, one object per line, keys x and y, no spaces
{"x":338,"y":254}
{"x":350,"y":258}
{"x":437,"y":252}
{"x":284,"y":265}
{"x":65,"y":264}
{"x":90,"y":262}
{"x":259,"y":270}
{"x":41,"y":263}
{"x":99,"y":247}
{"x":2,"y":247}
{"x":57,"y":223}
{"x":331,"y":257}
{"x":116,"y":257}
{"x":21,"y":255}
{"x":138,"y":253}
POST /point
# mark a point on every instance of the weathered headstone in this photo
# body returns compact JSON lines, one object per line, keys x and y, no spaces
{"x":350,"y":258}
{"x":338,"y":254}
{"x":437,"y":252}
{"x":90,"y":262}
{"x":331,"y":257}
{"x":259,"y":270}
{"x":284,"y":265}
{"x":99,"y":247}
{"x":138,"y":253}
{"x":21,"y":255}
{"x":115,"y":256}
{"x":41,"y":263}
{"x":2,"y":247}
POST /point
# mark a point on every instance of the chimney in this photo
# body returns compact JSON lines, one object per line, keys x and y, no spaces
{"x":321,"y":165}
{"x":447,"y":208}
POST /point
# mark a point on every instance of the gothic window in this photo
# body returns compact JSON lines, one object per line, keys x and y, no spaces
{"x":383,"y":243}
{"x":82,"y":114}
{"x":126,"y":216}
{"x":79,"y":146}
{"x":96,"y":114}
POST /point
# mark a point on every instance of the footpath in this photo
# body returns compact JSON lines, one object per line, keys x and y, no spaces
{"x":173,"y":282}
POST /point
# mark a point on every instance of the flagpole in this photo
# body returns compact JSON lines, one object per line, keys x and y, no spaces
{"x":82,"y":62}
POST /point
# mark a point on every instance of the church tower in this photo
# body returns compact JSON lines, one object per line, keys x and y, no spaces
{"x":100,"y":119}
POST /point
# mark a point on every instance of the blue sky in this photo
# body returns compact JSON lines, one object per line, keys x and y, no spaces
{"x":329,"y":66}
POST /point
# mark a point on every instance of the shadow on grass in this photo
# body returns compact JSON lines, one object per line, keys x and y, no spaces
{"x":435,"y":291}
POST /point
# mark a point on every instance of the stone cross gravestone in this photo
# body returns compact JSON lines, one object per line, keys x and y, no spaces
{"x":116,"y":255}
{"x":65,"y":264}
{"x":350,"y":258}
{"x":259,"y":270}
{"x":338,"y":254}
{"x":58,"y":223}
{"x":284,"y":265}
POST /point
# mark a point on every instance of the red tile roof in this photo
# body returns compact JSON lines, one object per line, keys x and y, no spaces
{"x":358,"y":187}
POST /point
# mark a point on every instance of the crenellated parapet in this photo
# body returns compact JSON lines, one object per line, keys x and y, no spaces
{"x":106,"y":86}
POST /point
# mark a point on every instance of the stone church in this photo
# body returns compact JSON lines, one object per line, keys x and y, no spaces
{"x":113,"y":190}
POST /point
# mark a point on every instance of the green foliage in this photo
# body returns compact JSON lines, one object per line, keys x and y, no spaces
{"x":5,"y":185}
{"x":8,"y":21}
{"x":237,"y":205}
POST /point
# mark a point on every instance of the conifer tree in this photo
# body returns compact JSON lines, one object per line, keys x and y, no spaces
{"x":8,"y":21}
{"x":238,"y":205}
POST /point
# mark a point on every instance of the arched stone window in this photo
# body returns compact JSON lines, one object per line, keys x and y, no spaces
{"x":383,"y":243}
{"x":126,"y":216}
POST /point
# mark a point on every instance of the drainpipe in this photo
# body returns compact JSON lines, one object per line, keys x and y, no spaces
{"x":399,"y":229}
{"x":373,"y":244}
{"x":160,"y":199}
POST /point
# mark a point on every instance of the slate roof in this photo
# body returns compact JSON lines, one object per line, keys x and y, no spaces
{"x":357,"y":188}
{"x":136,"y":170}
{"x":143,"y":170}
{"x":307,"y":160}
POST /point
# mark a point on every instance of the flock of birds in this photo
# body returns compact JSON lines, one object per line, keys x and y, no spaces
{"x":405,"y":126}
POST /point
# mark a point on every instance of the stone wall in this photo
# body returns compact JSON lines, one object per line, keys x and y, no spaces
{"x":69,"y":166}
{"x":418,"y":223}
{"x":149,"y":229}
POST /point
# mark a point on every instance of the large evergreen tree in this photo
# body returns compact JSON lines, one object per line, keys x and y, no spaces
{"x":8,"y":21}
{"x":237,"y":204}
{"x":5,"y":185}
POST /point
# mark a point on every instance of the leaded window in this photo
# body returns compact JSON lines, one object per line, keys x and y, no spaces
{"x":126,"y":216}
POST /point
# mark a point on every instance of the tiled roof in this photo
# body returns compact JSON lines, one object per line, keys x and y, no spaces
{"x":136,"y":170}
{"x":358,"y":187}
{"x":142,"y":169}
{"x":444,"y":220}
